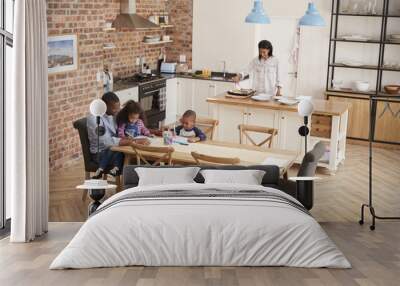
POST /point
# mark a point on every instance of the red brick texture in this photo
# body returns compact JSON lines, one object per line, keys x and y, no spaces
{"x":70,"y":93}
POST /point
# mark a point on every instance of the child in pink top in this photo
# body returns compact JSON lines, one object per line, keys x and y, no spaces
{"x":130,"y":121}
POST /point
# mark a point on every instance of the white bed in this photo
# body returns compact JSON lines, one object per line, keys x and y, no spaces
{"x":185,"y":230}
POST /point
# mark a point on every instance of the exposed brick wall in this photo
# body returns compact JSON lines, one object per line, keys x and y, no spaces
{"x":181,"y":15}
{"x":71,"y":93}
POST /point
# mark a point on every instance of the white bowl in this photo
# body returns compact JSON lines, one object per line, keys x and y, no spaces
{"x":337,"y":83}
{"x":361,"y":85}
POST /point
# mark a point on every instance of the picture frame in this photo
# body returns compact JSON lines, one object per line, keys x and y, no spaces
{"x":62,"y":53}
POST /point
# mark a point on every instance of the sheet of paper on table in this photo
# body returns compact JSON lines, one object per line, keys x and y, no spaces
{"x":180,"y":140}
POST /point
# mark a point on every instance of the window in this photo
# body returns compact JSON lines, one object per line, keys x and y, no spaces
{"x":6,"y":44}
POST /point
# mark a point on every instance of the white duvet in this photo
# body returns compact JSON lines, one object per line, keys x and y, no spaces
{"x":200,"y":231}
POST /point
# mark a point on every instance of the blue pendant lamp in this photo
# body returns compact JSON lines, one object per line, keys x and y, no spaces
{"x":257,"y":14}
{"x":312,"y":17}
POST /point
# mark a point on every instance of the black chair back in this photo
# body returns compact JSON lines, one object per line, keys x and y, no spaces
{"x":310,"y":161}
{"x":80,"y":125}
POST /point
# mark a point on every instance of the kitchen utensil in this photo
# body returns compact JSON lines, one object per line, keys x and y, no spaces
{"x":262,"y":97}
{"x":392,"y":88}
{"x":361,"y":85}
{"x":288,"y":101}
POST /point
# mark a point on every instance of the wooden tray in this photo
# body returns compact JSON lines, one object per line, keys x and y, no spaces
{"x":239,"y":96}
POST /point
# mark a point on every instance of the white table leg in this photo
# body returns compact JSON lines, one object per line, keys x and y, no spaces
{"x":335,"y":132}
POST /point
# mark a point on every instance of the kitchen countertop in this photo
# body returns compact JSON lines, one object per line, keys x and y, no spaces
{"x":321,"y":107}
{"x":123,"y":85}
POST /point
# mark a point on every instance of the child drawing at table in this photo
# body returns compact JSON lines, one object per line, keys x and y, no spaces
{"x":188,"y":128}
{"x":130,"y":121}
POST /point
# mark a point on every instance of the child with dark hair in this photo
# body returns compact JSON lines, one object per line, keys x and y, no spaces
{"x":130,"y":121}
{"x":188,"y":128}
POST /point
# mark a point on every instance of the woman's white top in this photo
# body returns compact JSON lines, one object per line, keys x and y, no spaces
{"x":264,"y":75}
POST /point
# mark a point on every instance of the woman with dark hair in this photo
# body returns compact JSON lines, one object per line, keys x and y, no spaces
{"x":263,"y":71}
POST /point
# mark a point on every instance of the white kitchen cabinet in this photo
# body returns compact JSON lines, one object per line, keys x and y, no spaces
{"x":288,"y":134}
{"x":229,"y":118}
{"x":128,"y":94}
{"x":172,"y":101}
{"x":202,"y":90}
{"x":185,"y":88}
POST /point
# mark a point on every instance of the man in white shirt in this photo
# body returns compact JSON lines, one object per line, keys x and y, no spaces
{"x":263,"y":71}
{"x":108,"y":158}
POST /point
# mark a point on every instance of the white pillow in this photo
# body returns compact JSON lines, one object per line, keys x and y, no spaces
{"x":166,"y":176}
{"x":248,"y":177}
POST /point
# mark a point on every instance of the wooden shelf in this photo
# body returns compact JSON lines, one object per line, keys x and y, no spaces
{"x":348,"y":92}
{"x":158,"y":43}
{"x":166,"y":26}
{"x":365,"y":67}
{"x":109,"y":29}
{"x":391,"y":43}
{"x":388,"y":96}
{"x":357,"y":15}
{"x":355,"y":41}
{"x":390,"y":69}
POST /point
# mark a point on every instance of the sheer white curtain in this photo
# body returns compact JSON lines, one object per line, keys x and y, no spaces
{"x":26,"y":120}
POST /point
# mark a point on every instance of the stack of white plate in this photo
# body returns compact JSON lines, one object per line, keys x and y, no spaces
{"x":262,"y":97}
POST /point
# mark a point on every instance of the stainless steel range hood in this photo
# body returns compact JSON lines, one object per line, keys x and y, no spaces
{"x":129,"y":19}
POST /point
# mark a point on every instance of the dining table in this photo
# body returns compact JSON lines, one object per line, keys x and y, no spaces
{"x":248,"y":154}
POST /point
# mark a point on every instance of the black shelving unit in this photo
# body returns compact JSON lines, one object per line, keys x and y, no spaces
{"x":374,"y":97}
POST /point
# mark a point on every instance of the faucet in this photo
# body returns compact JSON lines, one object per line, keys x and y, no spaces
{"x":224,"y":69}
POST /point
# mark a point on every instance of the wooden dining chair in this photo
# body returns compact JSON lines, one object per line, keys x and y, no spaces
{"x":202,"y":158}
{"x":244,"y":130}
{"x":165,"y":154}
{"x":207,"y":125}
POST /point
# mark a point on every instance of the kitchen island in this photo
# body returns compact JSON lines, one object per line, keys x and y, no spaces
{"x":328,"y":123}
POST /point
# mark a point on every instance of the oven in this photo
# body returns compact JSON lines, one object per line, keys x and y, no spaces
{"x":152,"y":98}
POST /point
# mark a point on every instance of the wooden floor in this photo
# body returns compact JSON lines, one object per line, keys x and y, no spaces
{"x":375,"y":256}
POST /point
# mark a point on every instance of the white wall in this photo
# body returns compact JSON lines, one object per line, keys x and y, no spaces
{"x":219,"y":33}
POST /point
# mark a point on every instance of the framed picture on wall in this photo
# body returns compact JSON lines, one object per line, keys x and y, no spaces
{"x":62,"y":53}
